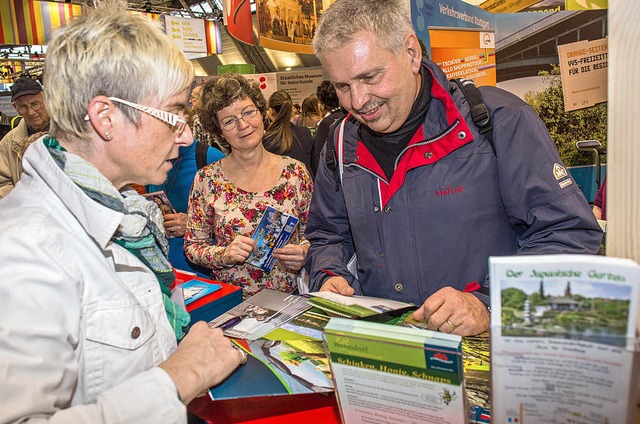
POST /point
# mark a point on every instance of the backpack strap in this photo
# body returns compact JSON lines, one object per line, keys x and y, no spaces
{"x":479,"y":112}
{"x":201,"y":154}
{"x":333,"y":161}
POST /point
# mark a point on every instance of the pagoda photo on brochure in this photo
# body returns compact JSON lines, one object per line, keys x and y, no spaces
{"x":563,"y":338}
{"x":567,"y":308}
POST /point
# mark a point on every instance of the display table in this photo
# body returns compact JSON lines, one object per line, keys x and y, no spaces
{"x":295,"y":409}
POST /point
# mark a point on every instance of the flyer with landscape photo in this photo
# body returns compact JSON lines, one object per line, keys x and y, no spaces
{"x":561,"y":322}
{"x":356,"y":306}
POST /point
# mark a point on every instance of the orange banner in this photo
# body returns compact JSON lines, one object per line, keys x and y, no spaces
{"x":465,"y":53}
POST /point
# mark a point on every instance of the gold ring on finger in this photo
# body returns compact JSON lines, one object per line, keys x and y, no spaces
{"x":451,"y":324}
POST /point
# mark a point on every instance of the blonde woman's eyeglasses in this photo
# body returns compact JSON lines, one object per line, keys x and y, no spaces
{"x":174,"y":121}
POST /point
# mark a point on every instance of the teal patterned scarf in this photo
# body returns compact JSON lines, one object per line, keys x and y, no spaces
{"x":140,"y":231}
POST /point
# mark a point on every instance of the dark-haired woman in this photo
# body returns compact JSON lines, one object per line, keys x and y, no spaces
{"x":282,"y":137}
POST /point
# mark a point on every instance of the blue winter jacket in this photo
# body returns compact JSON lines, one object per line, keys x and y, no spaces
{"x":450,"y":204}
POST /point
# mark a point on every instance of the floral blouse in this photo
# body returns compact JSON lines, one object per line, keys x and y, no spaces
{"x":219,"y":211}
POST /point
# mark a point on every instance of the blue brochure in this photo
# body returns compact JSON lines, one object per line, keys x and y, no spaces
{"x":273,"y":231}
{"x":196,"y":289}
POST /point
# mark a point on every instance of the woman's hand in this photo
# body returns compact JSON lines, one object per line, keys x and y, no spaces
{"x":203,"y":359}
{"x":292,"y":256}
{"x":175,"y":224}
{"x":238,"y":250}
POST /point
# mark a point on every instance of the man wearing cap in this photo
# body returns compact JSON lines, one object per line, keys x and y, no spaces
{"x":26,"y":98}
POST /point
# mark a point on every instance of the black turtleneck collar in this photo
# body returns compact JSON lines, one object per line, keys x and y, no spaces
{"x":385,"y":148}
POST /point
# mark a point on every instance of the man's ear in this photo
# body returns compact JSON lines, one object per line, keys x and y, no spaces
{"x":100,"y":116}
{"x":413,"y":49}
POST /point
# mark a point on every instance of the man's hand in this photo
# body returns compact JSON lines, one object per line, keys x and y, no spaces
{"x":203,"y":359}
{"x":337,"y":285}
{"x":451,"y":311}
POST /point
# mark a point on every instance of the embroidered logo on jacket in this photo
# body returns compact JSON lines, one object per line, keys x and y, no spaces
{"x":448,"y":190}
{"x":559,"y":171}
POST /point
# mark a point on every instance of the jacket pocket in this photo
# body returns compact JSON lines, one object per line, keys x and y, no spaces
{"x":126,"y":327}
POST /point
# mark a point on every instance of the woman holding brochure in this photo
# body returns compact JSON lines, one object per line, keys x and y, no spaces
{"x":229,"y":197}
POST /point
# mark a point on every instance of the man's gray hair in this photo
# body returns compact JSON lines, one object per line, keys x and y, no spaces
{"x":113,"y":53}
{"x":389,"y":20}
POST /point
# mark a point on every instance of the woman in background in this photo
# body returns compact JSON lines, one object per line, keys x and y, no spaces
{"x":229,"y":197}
{"x":282,"y":137}
{"x":296,"y":114}
{"x":311,"y":114}
{"x":177,"y":187}
{"x":330,"y":107}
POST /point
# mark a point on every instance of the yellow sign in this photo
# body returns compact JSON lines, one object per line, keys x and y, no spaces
{"x":506,"y":6}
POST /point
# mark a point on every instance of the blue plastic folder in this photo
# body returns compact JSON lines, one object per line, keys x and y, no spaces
{"x":196,"y":289}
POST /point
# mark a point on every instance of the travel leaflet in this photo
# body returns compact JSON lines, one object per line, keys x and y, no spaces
{"x":384,"y":373}
{"x":563,"y":336}
{"x":273,"y":231}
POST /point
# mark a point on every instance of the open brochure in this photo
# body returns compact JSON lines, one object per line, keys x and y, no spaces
{"x":356,"y":306}
{"x":273,"y":231}
{"x":563,"y":335}
{"x":260,"y":314}
{"x":385,"y":373}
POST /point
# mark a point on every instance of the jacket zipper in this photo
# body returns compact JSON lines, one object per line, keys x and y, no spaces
{"x":422,"y":143}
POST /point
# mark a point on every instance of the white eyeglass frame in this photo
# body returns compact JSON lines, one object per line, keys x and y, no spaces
{"x":174,"y":121}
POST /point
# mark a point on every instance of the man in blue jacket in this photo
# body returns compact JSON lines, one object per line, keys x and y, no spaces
{"x":422,"y":198}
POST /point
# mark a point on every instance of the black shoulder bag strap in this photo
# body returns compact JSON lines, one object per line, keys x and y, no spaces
{"x":330,"y":157}
{"x":479,"y":112}
{"x":201,"y":154}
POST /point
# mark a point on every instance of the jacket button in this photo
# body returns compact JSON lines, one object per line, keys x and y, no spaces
{"x":462,"y":135}
{"x":376,"y":209}
{"x":135,"y":333}
{"x":398,"y":287}
{"x":428,"y":155}
{"x":381,"y":255}
{"x":387,"y":209}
